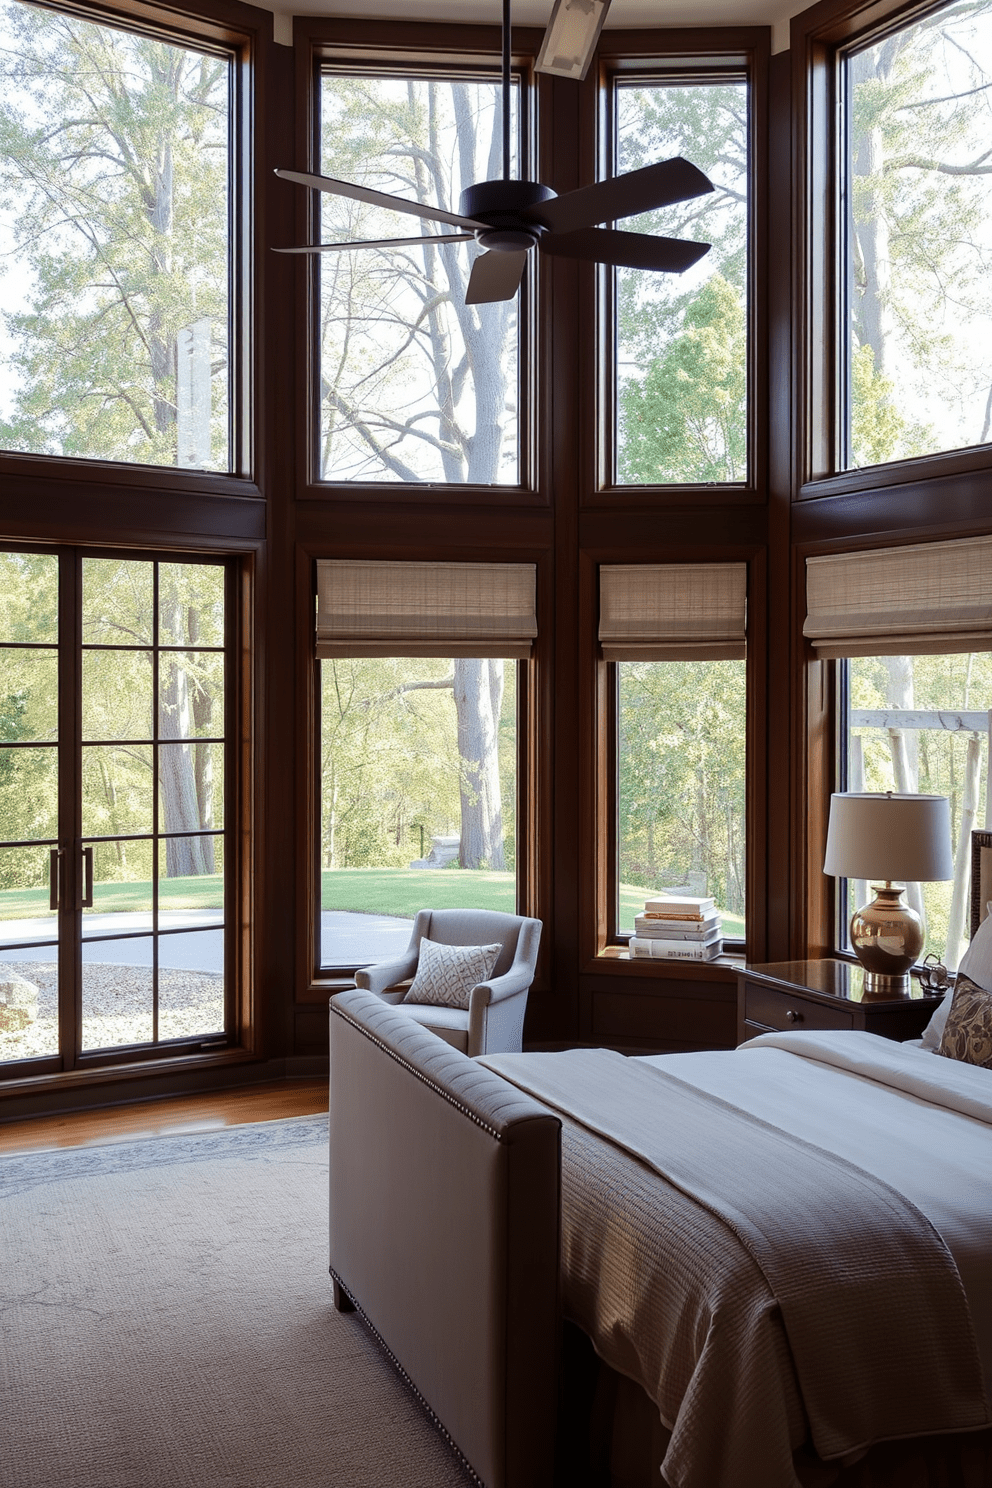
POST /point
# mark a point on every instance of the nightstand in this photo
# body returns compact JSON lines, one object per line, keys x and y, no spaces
{"x":781,"y":995}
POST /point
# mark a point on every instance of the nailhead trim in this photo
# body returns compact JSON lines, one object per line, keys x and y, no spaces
{"x":412,"y":1068}
{"x":409,"y":1382}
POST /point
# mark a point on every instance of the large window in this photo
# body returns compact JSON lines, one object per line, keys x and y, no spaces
{"x":921,"y":723}
{"x":681,"y":363}
{"x":114,"y":694}
{"x":115,"y":257}
{"x":681,"y":785}
{"x":418,"y":797}
{"x":916,"y":250}
{"x":415,"y":385}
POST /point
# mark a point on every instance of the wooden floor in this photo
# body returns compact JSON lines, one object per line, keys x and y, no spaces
{"x":156,"y":1118}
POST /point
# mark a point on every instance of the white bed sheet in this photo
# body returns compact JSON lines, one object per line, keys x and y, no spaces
{"x":836,"y":1090}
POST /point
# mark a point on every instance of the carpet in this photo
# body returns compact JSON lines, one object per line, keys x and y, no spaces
{"x":166,"y":1319}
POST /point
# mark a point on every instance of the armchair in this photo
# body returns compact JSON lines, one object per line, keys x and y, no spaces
{"x":494,"y":1020}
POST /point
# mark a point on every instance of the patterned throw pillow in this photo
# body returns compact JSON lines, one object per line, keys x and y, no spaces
{"x":968,"y":1031}
{"x":446,"y":974}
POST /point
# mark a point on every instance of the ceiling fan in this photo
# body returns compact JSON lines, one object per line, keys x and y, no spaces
{"x":508,"y":218}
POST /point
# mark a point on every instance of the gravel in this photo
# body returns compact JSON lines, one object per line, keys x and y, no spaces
{"x":117,"y":1007}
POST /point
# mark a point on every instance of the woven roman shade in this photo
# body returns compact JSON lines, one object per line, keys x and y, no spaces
{"x":425,"y":609}
{"x":672,"y":611}
{"x":928,"y":598}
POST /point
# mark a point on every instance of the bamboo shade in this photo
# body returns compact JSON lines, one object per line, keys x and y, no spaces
{"x":425,"y":609}
{"x":672,"y":611}
{"x":924,"y":599}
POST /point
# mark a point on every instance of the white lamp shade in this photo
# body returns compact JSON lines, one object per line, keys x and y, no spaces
{"x":905,"y":839}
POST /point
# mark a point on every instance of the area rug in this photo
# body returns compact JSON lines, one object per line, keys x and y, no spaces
{"x":166,"y":1319}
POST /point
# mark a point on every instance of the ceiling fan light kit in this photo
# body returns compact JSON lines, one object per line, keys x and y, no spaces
{"x":571,"y":37}
{"x":509,"y":218}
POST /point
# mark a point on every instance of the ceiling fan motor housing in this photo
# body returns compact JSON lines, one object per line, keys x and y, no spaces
{"x":502,"y":204}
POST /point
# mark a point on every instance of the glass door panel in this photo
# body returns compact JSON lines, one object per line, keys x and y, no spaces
{"x":29,"y":1022}
{"x":130,"y":806}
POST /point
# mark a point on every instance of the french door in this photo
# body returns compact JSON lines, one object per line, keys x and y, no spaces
{"x":114,"y":701}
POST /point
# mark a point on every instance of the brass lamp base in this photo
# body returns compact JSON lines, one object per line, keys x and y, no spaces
{"x":887,"y":938}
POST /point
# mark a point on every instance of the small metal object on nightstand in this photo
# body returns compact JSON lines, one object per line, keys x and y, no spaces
{"x":933,"y":975}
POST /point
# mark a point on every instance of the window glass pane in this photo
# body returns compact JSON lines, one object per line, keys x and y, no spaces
{"x":29,"y":781}
{"x":191,"y":604}
{"x":681,"y":339}
{"x":113,"y":243}
{"x":122,"y":889}
{"x":29,"y":976}
{"x":681,"y":785}
{"x":29,"y":694}
{"x":920,"y":723}
{"x":118,"y":602}
{"x":191,"y":694}
{"x":415,"y":384}
{"x":117,"y":790}
{"x":117,"y":695}
{"x":191,"y":797}
{"x":29,"y":597}
{"x":118,"y":993}
{"x":918,"y":226}
{"x":190,"y":984}
{"x":418,"y":797}
{"x":191,"y":883}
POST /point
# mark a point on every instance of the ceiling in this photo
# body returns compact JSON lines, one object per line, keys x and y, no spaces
{"x":623,"y":13}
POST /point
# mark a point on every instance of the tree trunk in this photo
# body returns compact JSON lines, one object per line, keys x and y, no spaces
{"x":184,"y":856}
{"x":903,"y":747}
{"x":956,"y":937}
{"x":478,"y":693}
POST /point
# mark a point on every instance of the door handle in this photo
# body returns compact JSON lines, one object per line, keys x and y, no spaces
{"x":87,"y":878}
{"x":54,"y":878}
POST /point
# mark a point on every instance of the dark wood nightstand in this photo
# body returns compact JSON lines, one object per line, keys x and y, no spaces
{"x":824,"y":994}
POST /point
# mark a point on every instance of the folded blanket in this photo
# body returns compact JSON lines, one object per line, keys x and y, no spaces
{"x":876,"y":1320}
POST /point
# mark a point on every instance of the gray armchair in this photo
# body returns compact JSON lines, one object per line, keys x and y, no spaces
{"x":494,"y":1021}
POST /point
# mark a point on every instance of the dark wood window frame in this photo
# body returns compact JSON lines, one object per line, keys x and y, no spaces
{"x":820,"y":38}
{"x":684,"y":56}
{"x":239,"y":1041}
{"x":234,"y":30}
{"x":415,"y":50}
{"x":322,"y":979}
{"x":602,"y":939}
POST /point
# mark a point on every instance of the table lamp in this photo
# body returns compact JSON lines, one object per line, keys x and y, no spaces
{"x":881,"y":837}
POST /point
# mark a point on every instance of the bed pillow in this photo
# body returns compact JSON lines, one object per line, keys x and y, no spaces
{"x":446,"y":974}
{"x":976,"y":965}
{"x":968,"y":1030}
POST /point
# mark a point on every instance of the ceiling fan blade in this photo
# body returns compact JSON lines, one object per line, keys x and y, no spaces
{"x":495,"y":276}
{"x":379,"y":243}
{"x":622,"y":196}
{"x":377,"y":198}
{"x":627,"y":250}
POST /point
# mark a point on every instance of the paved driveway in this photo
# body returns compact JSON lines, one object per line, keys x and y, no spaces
{"x":198,"y":945}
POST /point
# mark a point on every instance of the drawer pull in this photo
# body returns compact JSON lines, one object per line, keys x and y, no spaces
{"x":792,"y":1016}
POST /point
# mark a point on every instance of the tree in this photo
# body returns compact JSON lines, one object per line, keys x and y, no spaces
{"x":113,"y":172}
{"x":919,"y":248}
{"x":408,"y":744}
{"x":681,"y":339}
{"x":415,"y":384}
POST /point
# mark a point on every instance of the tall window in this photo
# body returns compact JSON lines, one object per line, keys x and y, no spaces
{"x":418,"y":797}
{"x":681,"y":365}
{"x":114,"y":243}
{"x":921,"y":723}
{"x":917,"y":239}
{"x":113,"y":700}
{"x":676,"y":636}
{"x":415,"y":384}
{"x":681,"y":785}
{"x":418,"y":745}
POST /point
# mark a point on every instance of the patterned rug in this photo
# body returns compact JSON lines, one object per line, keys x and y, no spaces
{"x":166,"y":1322}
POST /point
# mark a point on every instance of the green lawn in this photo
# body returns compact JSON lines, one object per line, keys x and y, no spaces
{"x":402,"y":891}
{"x":204,"y":892}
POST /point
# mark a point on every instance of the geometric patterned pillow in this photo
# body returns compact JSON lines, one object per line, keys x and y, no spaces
{"x":446,"y":974}
{"x":968,"y":1031}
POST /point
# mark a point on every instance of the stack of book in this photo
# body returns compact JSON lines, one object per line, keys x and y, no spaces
{"x":678,"y":928}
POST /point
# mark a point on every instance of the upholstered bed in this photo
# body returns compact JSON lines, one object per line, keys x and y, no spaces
{"x":786,"y":1248}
